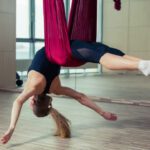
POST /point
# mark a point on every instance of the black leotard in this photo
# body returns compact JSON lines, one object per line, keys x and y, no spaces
{"x":91,"y":51}
{"x":41,"y":64}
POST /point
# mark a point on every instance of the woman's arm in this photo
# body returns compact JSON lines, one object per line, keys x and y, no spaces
{"x":17,"y":105}
{"x":80,"y":97}
{"x":57,"y":89}
{"x":34,"y":86}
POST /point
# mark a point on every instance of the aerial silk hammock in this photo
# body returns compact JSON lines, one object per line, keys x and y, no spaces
{"x":117,"y":4}
{"x":81,"y":26}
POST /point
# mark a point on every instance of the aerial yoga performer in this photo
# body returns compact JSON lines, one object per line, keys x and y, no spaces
{"x":72,"y":47}
{"x":80,"y":47}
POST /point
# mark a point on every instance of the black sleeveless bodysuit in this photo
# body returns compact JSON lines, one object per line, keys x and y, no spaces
{"x":41,"y":64}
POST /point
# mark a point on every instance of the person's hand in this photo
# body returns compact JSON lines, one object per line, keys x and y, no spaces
{"x":6,"y":137}
{"x":109,"y":116}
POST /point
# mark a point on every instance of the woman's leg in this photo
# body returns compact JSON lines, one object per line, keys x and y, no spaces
{"x":115,"y":62}
{"x":132,"y":58}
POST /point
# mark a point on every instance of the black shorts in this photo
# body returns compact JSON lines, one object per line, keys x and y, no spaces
{"x":91,"y":51}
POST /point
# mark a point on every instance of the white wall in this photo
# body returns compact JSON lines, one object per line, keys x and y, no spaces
{"x":7,"y":43}
{"x":128,"y":29}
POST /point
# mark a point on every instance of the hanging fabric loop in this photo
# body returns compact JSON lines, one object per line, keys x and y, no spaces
{"x":57,"y":42}
{"x":117,"y":4}
{"x":83,"y":20}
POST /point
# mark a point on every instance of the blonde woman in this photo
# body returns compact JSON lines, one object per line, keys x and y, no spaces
{"x":43,"y":78}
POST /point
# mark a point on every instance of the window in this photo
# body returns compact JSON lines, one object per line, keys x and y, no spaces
{"x":38,"y":45}
{"x":39,"y":20}
{"x":23,"y":29}
{"x":23,"y":18}
{"x":30,"y":28}
{"x":23,"y":50}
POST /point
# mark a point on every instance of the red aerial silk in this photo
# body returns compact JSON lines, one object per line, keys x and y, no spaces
{"x":82,"y":25}
{"x":83,"y":20}
{"x":117,"y":4}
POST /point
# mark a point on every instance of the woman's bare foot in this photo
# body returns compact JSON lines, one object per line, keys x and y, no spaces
{"x":109,"y":116}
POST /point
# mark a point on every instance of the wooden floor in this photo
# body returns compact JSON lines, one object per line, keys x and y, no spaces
{"x":89,"y":130}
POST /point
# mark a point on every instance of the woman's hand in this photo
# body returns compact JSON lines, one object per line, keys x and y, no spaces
{"x":6,"y":137}
{"x":109,"y":116}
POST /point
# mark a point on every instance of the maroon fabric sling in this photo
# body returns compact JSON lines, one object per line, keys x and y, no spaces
{"x":82,"y":26}
{"x":117,"y":4}
{"x":83,"y":20}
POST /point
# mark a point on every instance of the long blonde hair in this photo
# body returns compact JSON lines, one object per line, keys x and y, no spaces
{"x":43,"y":107}
{"x":62,"y":124}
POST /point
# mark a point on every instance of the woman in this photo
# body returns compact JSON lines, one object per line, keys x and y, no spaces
{"x":43,"y":78}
